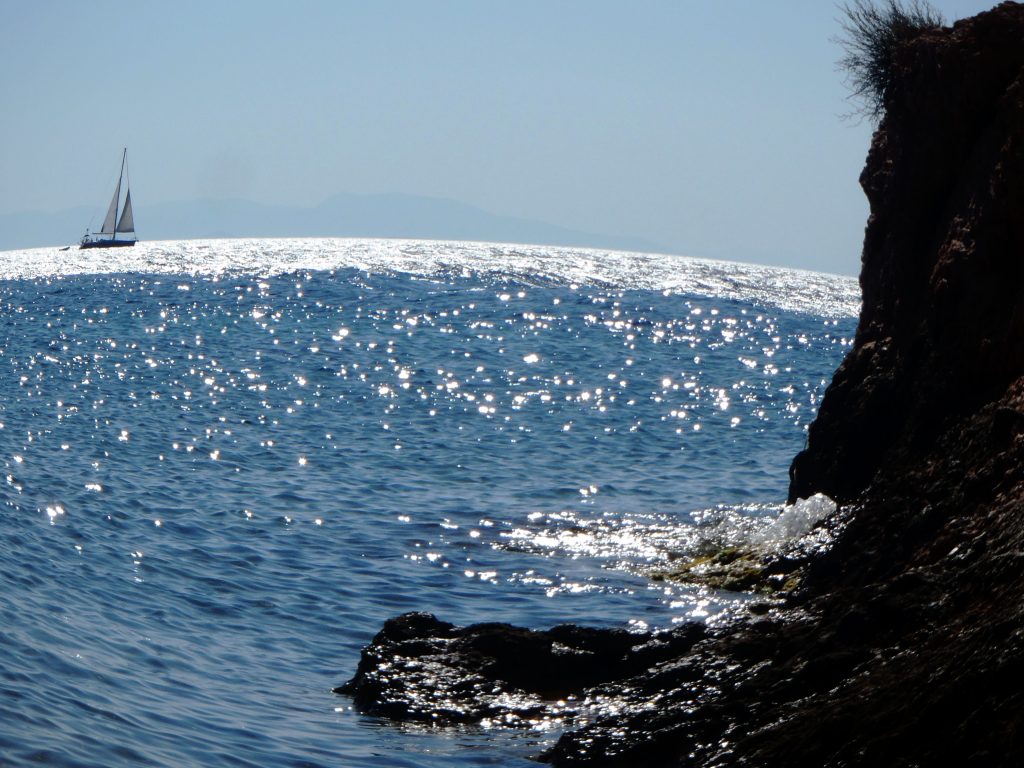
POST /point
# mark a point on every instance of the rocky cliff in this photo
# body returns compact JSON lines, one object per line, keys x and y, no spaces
{"x":943,"y":317}
{"x":904,"y":643}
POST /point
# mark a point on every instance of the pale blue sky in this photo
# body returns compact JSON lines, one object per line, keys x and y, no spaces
{"x":713,"y":128}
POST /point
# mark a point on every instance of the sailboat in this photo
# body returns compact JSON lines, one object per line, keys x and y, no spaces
{"x":125,"y":224}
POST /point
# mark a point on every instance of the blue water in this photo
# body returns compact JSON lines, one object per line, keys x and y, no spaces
{"x":227,"y":463}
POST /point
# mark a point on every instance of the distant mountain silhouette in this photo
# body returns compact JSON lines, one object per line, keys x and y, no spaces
{"x":344,"y":215}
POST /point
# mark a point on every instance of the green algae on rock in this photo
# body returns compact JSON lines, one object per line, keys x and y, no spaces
{"x":733,"y":569}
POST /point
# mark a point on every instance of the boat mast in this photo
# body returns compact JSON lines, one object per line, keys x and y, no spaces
{"x":113,"y":235}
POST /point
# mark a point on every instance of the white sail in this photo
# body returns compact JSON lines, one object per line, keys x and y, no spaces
{"x":113,"y":225}
{"x":127,"y":222}
{"x":108,"y":223}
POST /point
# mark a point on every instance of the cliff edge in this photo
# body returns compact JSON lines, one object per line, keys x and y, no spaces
{"x":903,"y":644}
{"x":942,"y":325}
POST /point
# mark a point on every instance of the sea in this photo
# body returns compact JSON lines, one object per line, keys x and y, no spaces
{"x":226,"y":463}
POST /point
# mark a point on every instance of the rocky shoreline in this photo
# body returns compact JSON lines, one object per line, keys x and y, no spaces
{"x":902,"y":644}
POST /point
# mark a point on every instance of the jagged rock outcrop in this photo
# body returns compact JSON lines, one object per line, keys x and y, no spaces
{"x":942,"y":322}
{"x":904,"y":643}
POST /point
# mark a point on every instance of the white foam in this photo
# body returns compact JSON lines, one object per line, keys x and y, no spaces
{"x":796,"y":520}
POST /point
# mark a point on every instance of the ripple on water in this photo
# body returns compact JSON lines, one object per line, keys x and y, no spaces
{"x":225,"y":463}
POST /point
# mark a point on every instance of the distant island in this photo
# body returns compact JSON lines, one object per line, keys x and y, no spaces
{"x":343,"y":215}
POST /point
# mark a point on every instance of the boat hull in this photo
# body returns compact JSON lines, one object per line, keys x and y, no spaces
{"x":107,"y":244}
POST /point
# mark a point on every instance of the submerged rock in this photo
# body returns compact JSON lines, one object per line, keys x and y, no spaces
{"x":903,"y":644}
{"x":737,"y":569}
{"x":771,"y":561}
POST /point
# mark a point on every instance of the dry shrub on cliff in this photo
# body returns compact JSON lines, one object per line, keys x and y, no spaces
{"x":870,"y":34}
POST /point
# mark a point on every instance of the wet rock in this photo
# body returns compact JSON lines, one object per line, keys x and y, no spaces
{"x":421,"y":669}
{"x":735,"y":569}
{"x":731,"y":568}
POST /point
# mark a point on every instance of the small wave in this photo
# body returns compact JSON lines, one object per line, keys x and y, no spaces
{"x":794,"y":522}
{"x":634,"y":542}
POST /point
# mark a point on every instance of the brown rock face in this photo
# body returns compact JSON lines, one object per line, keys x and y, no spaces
{"x":904,"y":644}
{"x":942,"y":326}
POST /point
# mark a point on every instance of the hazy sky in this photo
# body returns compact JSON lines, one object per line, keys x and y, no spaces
{"x":712,"y":127}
